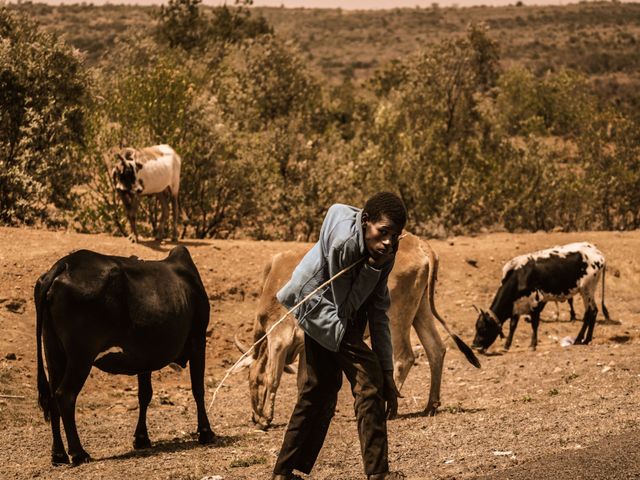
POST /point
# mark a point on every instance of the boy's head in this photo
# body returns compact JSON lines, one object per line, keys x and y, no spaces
{"x":386,"y":204}
{"x":383,"y":218}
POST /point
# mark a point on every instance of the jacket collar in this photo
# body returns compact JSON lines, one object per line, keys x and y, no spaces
{"x":360,"y":233}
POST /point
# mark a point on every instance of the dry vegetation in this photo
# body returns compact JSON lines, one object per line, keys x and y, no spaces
{"x":600,"y":39}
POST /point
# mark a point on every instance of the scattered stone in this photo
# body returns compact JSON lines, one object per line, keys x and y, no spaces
{"x":15,"y":305}
{"x":10,"y":356}
{"x":472,"y":261}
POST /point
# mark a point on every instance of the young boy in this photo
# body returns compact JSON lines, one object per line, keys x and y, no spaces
{"x":334,"y":320}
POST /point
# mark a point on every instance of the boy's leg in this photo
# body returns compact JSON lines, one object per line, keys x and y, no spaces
{"x":313,"y":412}
{"x":362,"y":368}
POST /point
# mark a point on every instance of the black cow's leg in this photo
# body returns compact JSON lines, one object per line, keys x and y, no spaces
{"x":593,"y":313}
{"x":55,"y":365}
{"x":196,"y":370}
{"x":572,"y":311}
{"x":513,"y":324}
{"x":76,"y":373}
{"x":535,"y":321}
{"x":145,"y":391}
{"x":585,"y":323}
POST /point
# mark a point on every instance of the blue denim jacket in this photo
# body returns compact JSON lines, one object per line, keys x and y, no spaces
{"x":325,"y":315}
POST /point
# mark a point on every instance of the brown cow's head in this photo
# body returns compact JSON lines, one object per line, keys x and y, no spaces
{"x":125,"y":174}
{"x":271,"y":357}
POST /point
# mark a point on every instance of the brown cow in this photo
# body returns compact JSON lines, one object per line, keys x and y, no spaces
{"x":411,"y":285}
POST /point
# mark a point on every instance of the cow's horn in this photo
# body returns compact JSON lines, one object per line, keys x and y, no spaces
{"x":246,"y":362}
{"x":476,"y":308}
{"x":242,"y":347}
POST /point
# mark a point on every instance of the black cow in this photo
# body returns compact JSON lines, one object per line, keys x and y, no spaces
{"x":530,"y":281}
{"x":125,"y":316}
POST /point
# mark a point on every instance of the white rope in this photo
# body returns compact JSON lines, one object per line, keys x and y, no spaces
{"x":244,"y":355}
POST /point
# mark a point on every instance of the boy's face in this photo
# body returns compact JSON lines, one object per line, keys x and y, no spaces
{"x":380,"y":237}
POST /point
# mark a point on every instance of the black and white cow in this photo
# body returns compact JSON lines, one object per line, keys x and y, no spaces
{"x":148,"y":171}
{"x":530,"y":281}
{"x":125,"y":316}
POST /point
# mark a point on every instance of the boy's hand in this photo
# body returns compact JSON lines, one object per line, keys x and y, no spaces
{"x":380,"y":260}
{"x":391,"y":394}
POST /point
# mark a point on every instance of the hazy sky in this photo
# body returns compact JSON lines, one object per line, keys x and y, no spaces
{"x":377,"y":4}
{"x":345,"y":4}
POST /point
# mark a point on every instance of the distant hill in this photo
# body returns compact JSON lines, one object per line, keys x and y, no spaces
{"x":600,"y":39}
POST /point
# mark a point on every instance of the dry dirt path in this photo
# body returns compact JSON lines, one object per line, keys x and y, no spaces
{"x":556,"y":406}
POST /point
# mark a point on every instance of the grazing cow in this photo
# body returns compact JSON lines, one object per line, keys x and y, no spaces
{"x":125,"y":316}
{"x":411,"y":285}
{"x":148,"y":171}
{"x":530,"y":281}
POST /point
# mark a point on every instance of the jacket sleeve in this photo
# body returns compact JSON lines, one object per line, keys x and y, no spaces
{"x":378,"y":306}
{"x":351,"y":289}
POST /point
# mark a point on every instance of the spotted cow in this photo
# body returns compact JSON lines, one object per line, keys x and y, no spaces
{"x":148,"y":171}
{"x":530,"y":281}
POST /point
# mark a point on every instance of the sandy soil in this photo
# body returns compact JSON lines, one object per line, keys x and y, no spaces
{"x":523,"y":412}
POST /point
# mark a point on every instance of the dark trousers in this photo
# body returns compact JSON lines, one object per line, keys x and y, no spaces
{"x":317,"y":400}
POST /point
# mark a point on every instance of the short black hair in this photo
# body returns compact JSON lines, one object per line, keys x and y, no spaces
{"x":387,"y":204}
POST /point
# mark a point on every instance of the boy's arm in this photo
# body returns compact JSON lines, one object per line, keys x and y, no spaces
{"x":350,"y":291}
{"x":379,"y":321}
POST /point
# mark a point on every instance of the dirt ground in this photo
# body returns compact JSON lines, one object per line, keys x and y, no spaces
{"x":523,"y":412}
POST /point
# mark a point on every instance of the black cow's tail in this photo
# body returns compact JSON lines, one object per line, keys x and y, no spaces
{"x":40,"y":297}
{"x":605,"y":312}
{"x":431,"y":286}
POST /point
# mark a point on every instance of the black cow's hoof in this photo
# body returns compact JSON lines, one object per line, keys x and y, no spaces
{"x":59,"y":459}
{"x":206,"y":436}
{"x":431,"y":410}
{"x":80,"y":458}
{"x":141,"y":442}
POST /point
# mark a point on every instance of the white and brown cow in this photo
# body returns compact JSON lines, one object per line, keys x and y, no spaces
{"x":148,"y":171}
{"x":530,"y":281}
{"x":411,"y":285}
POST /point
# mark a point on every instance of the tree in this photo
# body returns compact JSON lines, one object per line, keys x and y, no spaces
{"x":43,"y":95}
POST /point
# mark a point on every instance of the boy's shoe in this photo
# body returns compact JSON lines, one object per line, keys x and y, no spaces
{"x":388,"y":476}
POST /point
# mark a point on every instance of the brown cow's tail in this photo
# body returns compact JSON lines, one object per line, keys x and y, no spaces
{"x":40,"y":297}
{"x":431,"y":284}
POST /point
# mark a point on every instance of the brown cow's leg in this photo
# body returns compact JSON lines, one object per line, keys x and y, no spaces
{"x":424,"y":323}
{"x":76,"y":373}
{"x":196,"y":370}
{"x":145,"y":392}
